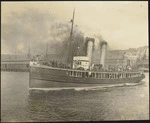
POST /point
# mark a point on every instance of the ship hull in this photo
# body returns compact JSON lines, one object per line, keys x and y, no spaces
{"x":47,"y":77}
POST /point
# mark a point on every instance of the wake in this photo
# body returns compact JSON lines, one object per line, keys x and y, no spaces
{"x":101,"y":87}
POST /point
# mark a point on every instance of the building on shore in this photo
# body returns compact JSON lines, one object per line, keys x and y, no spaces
{"x":134,"y":57}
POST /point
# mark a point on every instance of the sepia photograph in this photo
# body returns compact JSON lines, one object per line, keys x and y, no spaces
{"x":65,"y":61}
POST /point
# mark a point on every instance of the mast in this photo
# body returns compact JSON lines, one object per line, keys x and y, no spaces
{"x":29,"y":55}
{"x":46,"y":55}
{"x":15,"y":55}
{"x":70,"y":54}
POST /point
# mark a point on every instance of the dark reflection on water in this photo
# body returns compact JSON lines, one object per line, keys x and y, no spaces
{"x":126,"y":102}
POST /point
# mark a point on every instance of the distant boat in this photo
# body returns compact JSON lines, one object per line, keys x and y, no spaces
{"x":80,"y":73}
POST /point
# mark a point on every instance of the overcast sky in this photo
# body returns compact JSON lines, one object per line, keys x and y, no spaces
{"x":122,"y":24}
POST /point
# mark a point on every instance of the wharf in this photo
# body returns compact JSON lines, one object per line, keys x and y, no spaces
{"x":15,"y":66}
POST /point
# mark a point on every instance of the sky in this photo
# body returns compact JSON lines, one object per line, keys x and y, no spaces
{"x":122,"y":24}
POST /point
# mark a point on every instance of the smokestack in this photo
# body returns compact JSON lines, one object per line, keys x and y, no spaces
{"x":103,"y":48}
{"x":89,"y":46}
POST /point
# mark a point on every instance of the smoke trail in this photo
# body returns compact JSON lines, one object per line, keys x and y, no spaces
{"x":36,"y":28}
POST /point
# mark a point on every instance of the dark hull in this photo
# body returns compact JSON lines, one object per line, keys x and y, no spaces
{"x":42,"y":77}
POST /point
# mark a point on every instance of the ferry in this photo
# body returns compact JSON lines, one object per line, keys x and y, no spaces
{"x":81,"y":72}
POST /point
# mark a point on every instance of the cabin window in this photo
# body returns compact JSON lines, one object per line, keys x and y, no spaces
{"x":87,"y":74}
{"x":113,"y":75}
{"x":130,"y":75}
{"x":92,"y":75}
{"x":83,"y":74}
{"x":122,"y":75}
{"x":96,"y":75}
{"x":71,"y":73}
{"x":99,"y":75}
{"x":126,"y":75}
{"x":108,"y":75}
{"x":74,"y":73}
{"x":78,"y":73}
{"x":103,"y":75}
{"x":119,"y":75}
{"x":116,"y":75}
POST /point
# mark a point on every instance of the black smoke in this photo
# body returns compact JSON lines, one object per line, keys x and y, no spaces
{"x":36,"y":29}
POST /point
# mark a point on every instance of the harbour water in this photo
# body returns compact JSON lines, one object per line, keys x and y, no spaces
{"x":122,"y":102}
